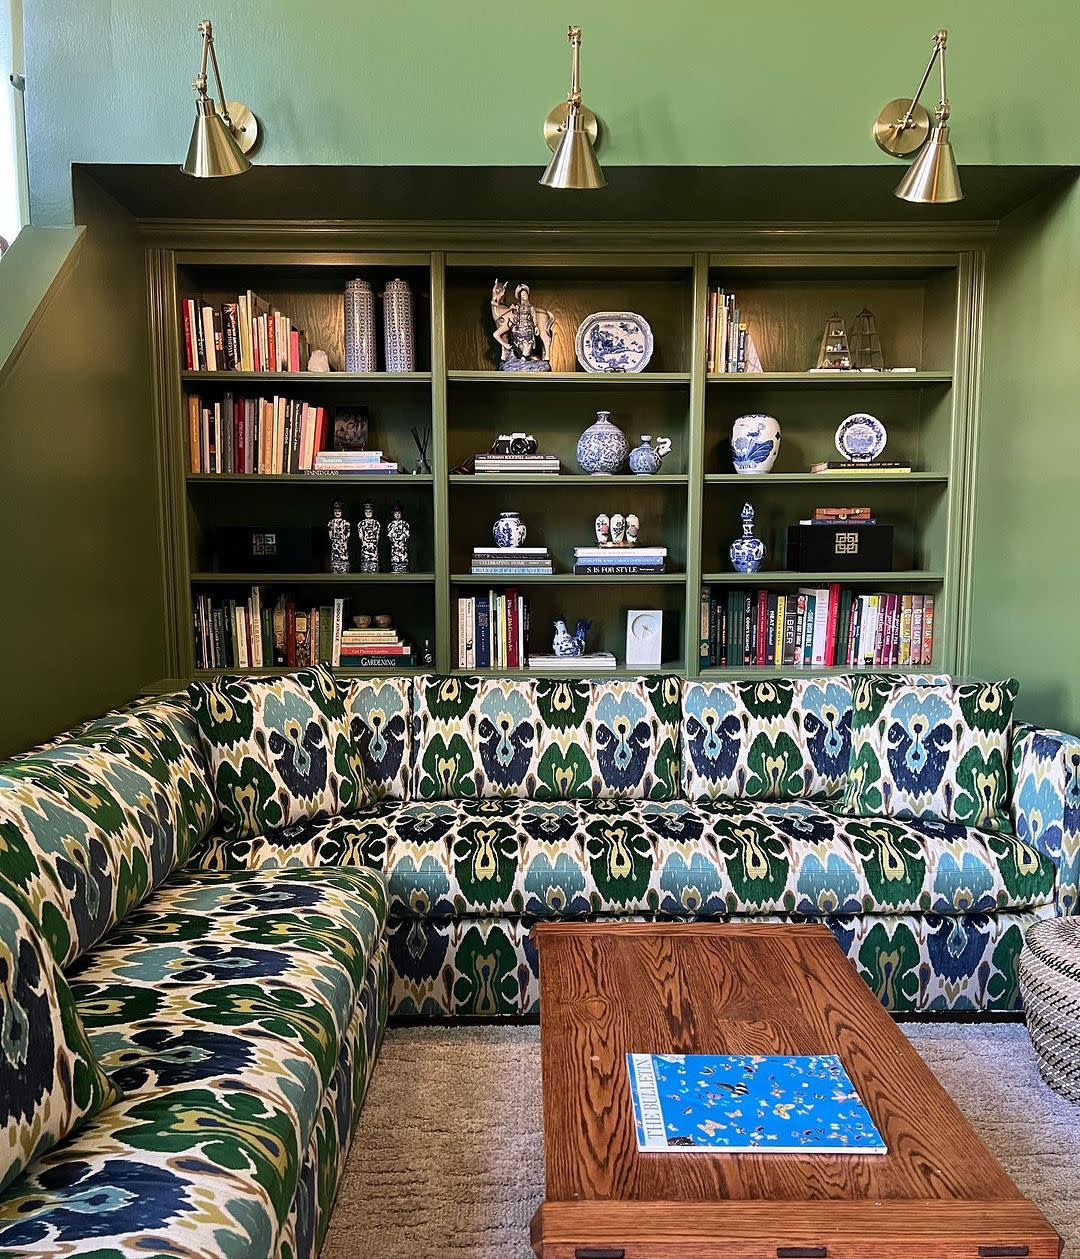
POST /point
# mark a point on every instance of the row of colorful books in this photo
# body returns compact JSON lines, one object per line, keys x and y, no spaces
{"x":247,"y":335}
{"x":493,"y":630}
{"x":816,"y":627}
{"x":256,"y":436}
{"x":729,"y":345}
{"x":257,"y":633}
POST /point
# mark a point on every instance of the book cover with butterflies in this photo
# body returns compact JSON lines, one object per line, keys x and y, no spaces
{"x":740,"y":1102}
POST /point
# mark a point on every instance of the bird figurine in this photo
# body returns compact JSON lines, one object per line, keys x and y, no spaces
{"x":567,"y":644}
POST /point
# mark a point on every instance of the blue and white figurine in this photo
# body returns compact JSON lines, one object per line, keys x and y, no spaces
{"x":566,"y":644}
{"x":755,"y":443}
{"x":509,"y":529}
{"x":602,"y":449}
{"x":645,"y":460}
{"x":747,"y":552}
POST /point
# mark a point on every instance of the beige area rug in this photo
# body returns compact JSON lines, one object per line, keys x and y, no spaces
{"x":448,"y":1157}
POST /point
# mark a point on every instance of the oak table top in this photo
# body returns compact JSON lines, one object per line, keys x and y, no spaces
{"x":611,"y":989}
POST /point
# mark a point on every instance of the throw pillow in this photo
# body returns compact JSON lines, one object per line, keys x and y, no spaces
{"x":50,"y":1082}
{"x":279,"y":750}
{"x":936,"y":753}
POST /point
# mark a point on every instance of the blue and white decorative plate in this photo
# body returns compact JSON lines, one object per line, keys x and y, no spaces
{"x":614,"y":341}
{"x":861,"y":437}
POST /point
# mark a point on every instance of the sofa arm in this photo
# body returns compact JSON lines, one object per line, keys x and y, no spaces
{"x":1046,"y":803}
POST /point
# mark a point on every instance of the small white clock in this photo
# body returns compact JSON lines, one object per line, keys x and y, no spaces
{"x":644,"y":632}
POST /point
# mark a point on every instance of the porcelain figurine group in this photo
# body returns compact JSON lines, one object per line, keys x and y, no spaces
{"x":369,"y":532}
{"x":617,"y":530}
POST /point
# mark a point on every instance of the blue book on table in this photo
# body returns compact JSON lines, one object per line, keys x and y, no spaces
{"x":716,"y":1103}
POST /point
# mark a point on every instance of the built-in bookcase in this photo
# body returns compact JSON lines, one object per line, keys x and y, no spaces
{"x":924,"y":289}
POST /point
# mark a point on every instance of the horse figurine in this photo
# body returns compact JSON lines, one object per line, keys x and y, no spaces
{"x":567,"y":644}
{"x":518,"y":328}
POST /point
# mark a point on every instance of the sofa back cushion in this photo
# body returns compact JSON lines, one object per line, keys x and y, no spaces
{"x":90,"y":825}
{"x":379,"y":713}
{"x":940,"y":754}
{"x":545,"y":739}
{"x":278,"y":749}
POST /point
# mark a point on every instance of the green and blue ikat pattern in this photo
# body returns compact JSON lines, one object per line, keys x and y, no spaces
{"x":379,"y":713}
{"x":1046,"y":803}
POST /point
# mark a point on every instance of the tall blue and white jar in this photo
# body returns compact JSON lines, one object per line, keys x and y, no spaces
{"x":602,"y":449}
{"x":359,"y":326}
{"x":748,"y":551}
{"x":398,"y":332}
{"x":755,"y":443}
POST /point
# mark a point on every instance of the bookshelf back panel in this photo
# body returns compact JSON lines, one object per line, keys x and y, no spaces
{"x":314,"y":299}
{"x":478,"y":413}
{"x":663,"y":297}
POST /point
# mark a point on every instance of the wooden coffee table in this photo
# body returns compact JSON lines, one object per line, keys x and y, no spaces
{"x":606,"y":990}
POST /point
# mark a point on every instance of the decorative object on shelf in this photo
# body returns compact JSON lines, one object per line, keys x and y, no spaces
{"x":755,"y":443}
{"x":369,"y":530}
{"x":570,"y":131}
{"x":509,"y":530}
{"x":633,"y":528}
{"x":340,"y":531}
{"x":566,"y":644}
{"x":359,"y":326}
{"x":318,"y":361}
{"x":747,"y":552}
{"x":602,"y":448}
{"x":397,"y":533}
{"x":383,"y":621}
{"x":646,"y":459}
{"x":866,"y":350}
{"x":518,"y":329}
{"x":861,"y":437}
{"x":840,"y":547}
{"x":644,"y":634}
{"x":363,"y":621}
{"x":603,"y":529}
{"x":618,"y":529}
{"x":614,"y":341}
{"x":399,"y":339}
{"x":835,"y":353}
{"x":421,"y":439}
{"x":514,"y":444}
{"x":224,"y":133}
{"x":903,"y":127}
{"x":350,"y":428}
{"x":427,"y":656}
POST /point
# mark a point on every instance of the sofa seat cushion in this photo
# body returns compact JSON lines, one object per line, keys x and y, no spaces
{"x":221,"y":1008}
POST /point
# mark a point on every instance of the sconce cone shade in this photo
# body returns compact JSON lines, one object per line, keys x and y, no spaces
{"x":213,"y":151}
{"x":932,"y":179}
{"x":574,"y":164}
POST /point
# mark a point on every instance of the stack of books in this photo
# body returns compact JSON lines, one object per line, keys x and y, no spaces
{"x":256,"y":436}
{"x":493,"y":630}
{"x":254,"y":633}
{"x":352,"y":462}
{"x":840,"y":516}
{"x":247,"y":335}
{"x":816,"y":628}
{"x":511,"y":561}
{"x":517,"y":463}
{"x":593,"y":662}
{"x":729,"y":347}
{"x":837,"y":467}
{"x":599,"y":561}
{"x":374,"y":649}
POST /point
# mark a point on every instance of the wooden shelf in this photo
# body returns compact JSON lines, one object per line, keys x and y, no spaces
{"x":594,"y":379}
{"x":563,"y":479}
{"x":308,"y":479}
{"x":894,"y":577}
{"x":561,"y":579}
{"x":315,"y":378}
{"x":819,"y":478}
{"x":845,"y":380}
{"x":308,"y":579}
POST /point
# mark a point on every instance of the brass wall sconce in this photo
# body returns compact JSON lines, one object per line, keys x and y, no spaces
{"x":904,"y":126}
{"x":570,"y":131}
{"x":224,"y":133}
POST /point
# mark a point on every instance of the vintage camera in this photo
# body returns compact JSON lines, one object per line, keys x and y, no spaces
{"x":514,"y":444}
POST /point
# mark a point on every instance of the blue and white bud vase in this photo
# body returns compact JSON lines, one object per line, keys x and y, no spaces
{"x":747,"y":552}
{"x":509,"y":529}
{"x":755,"y":443}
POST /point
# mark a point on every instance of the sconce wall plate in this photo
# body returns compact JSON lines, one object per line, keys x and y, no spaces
{"x":897,"y":141}
{"x":245,"y":126}
{"x":555,"y":124}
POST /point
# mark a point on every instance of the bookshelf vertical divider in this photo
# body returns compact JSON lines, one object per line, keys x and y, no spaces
{"x":925,"y":285}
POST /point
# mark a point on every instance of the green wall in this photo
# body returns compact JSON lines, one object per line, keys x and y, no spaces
{"x":83,"y":616}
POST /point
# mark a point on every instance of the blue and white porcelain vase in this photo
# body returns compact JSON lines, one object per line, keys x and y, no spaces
{"x":359,"y":326}
{"x":748,"y":551}
{"x":602,"y":449}
{"x":509,"y":529}
{"x":645,"y":460}
{"x":755,"y":443}
{"x":399,"y":337}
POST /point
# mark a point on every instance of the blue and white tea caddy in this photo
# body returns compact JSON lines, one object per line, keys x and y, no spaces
{"x":748,"y":551}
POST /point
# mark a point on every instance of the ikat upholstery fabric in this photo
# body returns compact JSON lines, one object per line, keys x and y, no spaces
{"x":50,"y":1081}
{"x":379,"y":713}
{"x":545,"y":739}
{"x":931,"y":752}
{"x":278,"y":749}
{"x":461,"y":858}
{"x":1046,"y":803}
{"x":240,"y":1014}
{"x":90,"y":825}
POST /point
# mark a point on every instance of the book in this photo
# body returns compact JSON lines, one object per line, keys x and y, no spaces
{"x":768,"y":1103}
{"x":621,"y":570}
{"x":592,"y":662}
{"x":839,"y":466}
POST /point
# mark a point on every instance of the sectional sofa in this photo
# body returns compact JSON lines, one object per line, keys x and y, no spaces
{"x":234,"y":966}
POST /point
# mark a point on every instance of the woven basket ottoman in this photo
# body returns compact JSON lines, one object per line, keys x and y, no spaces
{"x":1050,"y":986}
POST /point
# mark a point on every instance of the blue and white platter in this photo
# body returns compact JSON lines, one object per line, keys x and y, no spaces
{"x":614,"y":341}
{"x":861,"y":437}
